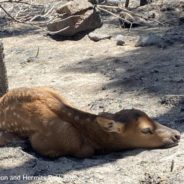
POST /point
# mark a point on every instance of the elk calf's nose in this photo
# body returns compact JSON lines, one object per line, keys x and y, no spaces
{"x":177,"y":135}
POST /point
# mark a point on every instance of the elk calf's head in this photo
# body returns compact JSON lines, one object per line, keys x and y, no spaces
{"x":135,"y":129}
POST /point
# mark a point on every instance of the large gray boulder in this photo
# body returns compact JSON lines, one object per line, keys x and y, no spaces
{"x":75,"y":17}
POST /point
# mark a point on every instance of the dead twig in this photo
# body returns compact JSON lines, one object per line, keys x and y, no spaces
{"x":59,"y":31}
{"x":117,"y":7}
{"x":107,"y":11}
{"x":172,"y":165}
{"x":19,"y":21}
{"x":9,"y":15}
{"x":37,"y":53}
{"x":113,"y":14}
{"x":129,"y":13}
{"x":19,"y":1}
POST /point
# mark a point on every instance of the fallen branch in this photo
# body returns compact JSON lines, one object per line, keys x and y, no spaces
{"x":105,"y":8}
{"x":9,"y":15}
{"x":117,"y":7}
{"x":59,"y":31}
{"x":20,"y":2}
{"x":107,"y":11}
{"x":129,"y":13}
{"x":16,"y":20}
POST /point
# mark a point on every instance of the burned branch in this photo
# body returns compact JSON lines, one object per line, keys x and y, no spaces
{"x":40,"y":20}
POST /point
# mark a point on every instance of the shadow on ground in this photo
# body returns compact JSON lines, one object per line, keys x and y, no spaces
{"x":38,"y":166}
{"x":8,"y":29}
{"x":150,"y":70}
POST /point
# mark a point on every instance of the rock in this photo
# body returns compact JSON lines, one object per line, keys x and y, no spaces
{"x":74,"y":7}
{"x":120,"y":40}
{"x":97,"y":37}
{"x":151,"y":39}
{"x":104,"y":88}
{"x":75,"y":17}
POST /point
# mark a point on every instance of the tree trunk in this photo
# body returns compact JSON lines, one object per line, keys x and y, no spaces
{"x":126,"y":3}
{"x":3,"y":73}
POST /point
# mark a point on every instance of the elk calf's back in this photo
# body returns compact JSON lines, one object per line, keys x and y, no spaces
{"x":55,"y":128}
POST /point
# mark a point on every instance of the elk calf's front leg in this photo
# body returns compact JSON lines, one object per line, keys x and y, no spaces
{"x":85,"y":151}
{"x":44,"y":145}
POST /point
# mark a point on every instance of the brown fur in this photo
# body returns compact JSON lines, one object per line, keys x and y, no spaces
{"x":55,"y":128}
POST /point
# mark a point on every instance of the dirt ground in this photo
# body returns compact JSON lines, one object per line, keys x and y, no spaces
{"x":100,"y":76}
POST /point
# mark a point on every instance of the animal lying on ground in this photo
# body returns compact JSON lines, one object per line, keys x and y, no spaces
{"x":55,"y":128}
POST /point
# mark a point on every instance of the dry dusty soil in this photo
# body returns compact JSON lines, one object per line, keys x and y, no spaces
{"x":100,"y":76}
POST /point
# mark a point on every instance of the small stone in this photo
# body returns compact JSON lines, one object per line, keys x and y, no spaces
{"x":151,"y":39}
{"x":120,"y":40}
{"x":31,"y":59}
{"x":103,"y":88}
{"x":97,"y":37}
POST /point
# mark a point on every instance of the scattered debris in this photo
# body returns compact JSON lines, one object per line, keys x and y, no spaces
{"x":153,"y":179}
{"x":172,"y":100}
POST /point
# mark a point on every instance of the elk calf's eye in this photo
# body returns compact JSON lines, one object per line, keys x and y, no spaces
{"x":147,"y":131}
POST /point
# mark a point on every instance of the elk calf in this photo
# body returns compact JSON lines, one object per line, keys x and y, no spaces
{"x":55,"y":128}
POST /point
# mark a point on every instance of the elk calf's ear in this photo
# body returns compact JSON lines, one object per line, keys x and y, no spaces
{"x":110,"y":125}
